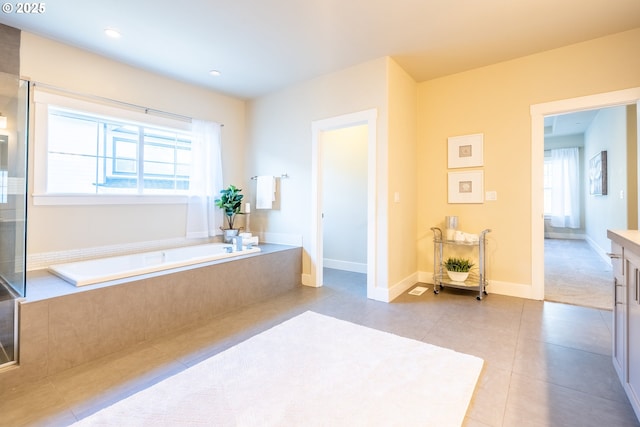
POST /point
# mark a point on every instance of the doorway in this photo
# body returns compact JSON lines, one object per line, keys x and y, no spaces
{"x":344,"y":208}
{"x":538,"y":113}
{"x":367,"y":119}
{"x":575,"y":271}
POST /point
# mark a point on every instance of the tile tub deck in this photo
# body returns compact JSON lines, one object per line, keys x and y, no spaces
{"x":62,"y":326}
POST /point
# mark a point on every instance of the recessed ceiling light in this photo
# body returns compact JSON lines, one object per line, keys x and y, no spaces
{"x":215,"y":73}
{"x":112,"y":32}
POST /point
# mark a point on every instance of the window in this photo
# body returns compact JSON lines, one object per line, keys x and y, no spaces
{"x":564,"y":180}
{"x":96,"y":155}
{"x":93,"y":153}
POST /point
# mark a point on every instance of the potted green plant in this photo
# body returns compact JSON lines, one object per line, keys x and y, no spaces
{"x":458,"y":268}
{"x":230,"y":201}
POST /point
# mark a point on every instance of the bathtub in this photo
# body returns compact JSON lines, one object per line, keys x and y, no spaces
{"x":89,"y":272}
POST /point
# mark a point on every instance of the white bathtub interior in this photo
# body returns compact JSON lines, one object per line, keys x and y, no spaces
{"x":82,"y":273}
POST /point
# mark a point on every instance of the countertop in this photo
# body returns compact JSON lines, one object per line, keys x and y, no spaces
{"x":629,"y":239}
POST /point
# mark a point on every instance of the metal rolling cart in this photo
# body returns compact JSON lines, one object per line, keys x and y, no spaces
{"x":477,"y":281}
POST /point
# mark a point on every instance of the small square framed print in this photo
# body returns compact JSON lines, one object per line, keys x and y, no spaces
{"x":466,"y":187}
{"x":465,"y":151}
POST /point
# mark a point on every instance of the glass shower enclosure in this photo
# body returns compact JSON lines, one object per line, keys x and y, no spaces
{"x":14,"y":113}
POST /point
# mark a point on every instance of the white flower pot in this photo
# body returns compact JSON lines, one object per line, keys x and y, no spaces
{"x":229,"y":234}
{"x":458,"y":276}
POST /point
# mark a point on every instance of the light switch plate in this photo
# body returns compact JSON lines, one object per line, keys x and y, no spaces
{"x":491,"y":195}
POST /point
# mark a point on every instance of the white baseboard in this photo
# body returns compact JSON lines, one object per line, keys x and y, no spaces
{"x":574,"y":236}
{"x":389,"y":294}
{"x":356,"y":267}
{"x":510,"y":289}
{"x":599,"y":250}
{"x":519,"y":290}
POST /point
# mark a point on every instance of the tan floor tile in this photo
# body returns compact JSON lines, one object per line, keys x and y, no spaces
{"x":490,"y":398}
{"x":538,"y":403}
{"x":31,"y":404}
{"x":575,"y":369}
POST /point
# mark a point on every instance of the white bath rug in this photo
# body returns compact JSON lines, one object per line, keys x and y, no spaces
{"x":312,"y":370}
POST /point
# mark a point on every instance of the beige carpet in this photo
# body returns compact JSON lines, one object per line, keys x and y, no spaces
{"x":575,"y":274}
{"x":312,"y":370}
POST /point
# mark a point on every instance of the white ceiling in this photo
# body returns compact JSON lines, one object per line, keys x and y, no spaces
{"x":569,"y":124}
{"x":263,"y":46}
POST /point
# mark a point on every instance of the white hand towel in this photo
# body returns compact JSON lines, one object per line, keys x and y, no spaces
{"x":265,"y":192}
{"x":471,"y":238}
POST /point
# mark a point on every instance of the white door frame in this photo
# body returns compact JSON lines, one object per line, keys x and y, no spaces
{"x":367,"y":117}
{"x":538,"y":112}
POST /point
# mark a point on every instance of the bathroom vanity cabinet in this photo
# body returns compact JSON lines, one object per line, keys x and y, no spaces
{"x":625,"y":262}
{"x":477,"y":279}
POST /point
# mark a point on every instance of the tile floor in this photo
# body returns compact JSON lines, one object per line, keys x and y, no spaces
{"x":574,"y":273}
{"x":546,"y":364}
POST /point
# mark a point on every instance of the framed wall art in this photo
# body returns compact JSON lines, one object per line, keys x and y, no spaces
{"x":465,"y":151}
{"x":598,"y":174}
{"x":466,"y":187}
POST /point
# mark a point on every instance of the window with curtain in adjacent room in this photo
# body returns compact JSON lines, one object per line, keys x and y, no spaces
{"x":548,"y":181}
{"x":562,"y":187}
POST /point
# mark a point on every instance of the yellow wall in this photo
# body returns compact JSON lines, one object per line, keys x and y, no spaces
{"x":402,"y":163}
{"x":496,"y":100}
{"x":57,"y":228}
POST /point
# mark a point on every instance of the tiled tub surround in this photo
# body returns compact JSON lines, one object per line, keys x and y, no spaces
{"x":62,"y":326}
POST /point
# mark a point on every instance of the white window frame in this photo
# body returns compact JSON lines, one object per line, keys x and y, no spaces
{"x":42,"y":101}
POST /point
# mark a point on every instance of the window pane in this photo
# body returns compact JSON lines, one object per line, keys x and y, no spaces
{"x":167,"y":162}
{"x":126,"y":149}
{"x":70,"y":173}
{"x":125,"y":166}
{"x":183,"y":156}
{"x":72,"y":135}
{"x":72,"y":149}
{"x":156,"y":153}
{"x":155,"y":168}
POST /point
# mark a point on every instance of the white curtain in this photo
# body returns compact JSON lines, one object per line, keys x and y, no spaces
{"x":565,"y":189}
{"x":204,"y":219}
